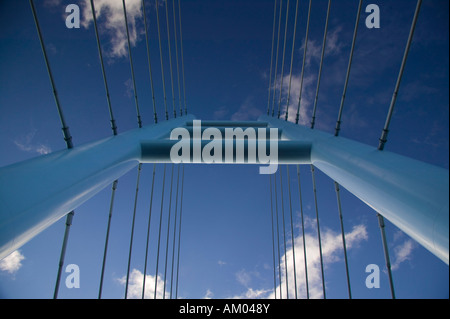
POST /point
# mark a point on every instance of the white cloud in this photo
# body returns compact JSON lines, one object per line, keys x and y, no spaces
{"x":333,"y":45}
{"x":25,"y":143}
{"x":253,"y":294}
{"x":209,"y":294}
{"x":402,"y":253}
{"x":135,"y":284}
{"x":308,"y":92}
{"x":221,"y":263}
{"x":331,"y":251}
{"x":243,"y":277}
{"x":12,"y":263}
{"x":111,"y":21}
{"x":247,"y":111}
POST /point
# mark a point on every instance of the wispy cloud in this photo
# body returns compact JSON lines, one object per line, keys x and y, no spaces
{"x":306,"y":103}
{"x":12,"y":263}
{"x":331,"y":251}
{"x":208,"y":295}
{"x":135,"y":284}
{"x":221,"y":262}
{"x":247,"y":111}
{"x":111,"y":21}
{"x":26,"y":143}
{"x":402,"y":251}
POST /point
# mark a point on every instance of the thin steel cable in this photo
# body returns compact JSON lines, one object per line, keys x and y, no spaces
{"x":179,"y":233}
{"x":168,"y":233}
{"x":132,"y":228}
{"x":105,"y":82}
{"x":131,"y":66}
{"x":182,"y":57}
{"x":318,"y":230}
{"x":176,"y":56}
{"x":174,"y":232}
{"x":162,"y":63}
{"x":313,"y":118}
{"x":63,"y":252}
{"x":273,"y":239}
{"x":278,"y":234}
{"x":303,"y":231}
{"x":284,"y":235}
{"x":383,"y":138}
{"x":148,"y":230}
{"x":297,"y":117}
{"x":276,"y":59}
{"x":341,"y":219}
{"x":292,"y":62}
{"x":170,"y":58}
{"x":111,"y":205}
{"x":386,"y":254}
{"x":69,"y":145}
{"x":65,"y":128}
{"x":292,"y":230}
{"x":384,"y":135}
{"x":271,"y":55}
{"x":155,"y":114}
{"x":159,"y":233}
{"x":114,"y":129}
{"x":355,"y":32}
{"x":282,"y":60}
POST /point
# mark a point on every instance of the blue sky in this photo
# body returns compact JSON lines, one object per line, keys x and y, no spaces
{"x":226,"y":236}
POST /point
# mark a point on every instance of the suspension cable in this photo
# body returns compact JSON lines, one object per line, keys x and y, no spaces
{"x":131,"y":66}
{"x":292,"y":62}
{"x":292,"y":230}
{"x":179,"y":232}
{"x":386,"y":253}
{"x":273,"y":239}
{"x":174,"y":231}
{"x":170,"y":58}
{"x":162,"y":64}
{"x":384,"y":134}
{"x":159,"y":233}
{"x":65,"y":128}
{"x":108,"y":99}
{"x":168,"y":233}
{"x":276,"y":59}
{"x":271,"y":54}
{"x":63,"y":252}
{"x":341,"y":219}
{"x":148,"y":230}
{"x":132,"y":227}
{"x":338,"y":122}
{"x":155,"y":115}
{"x":69,"y":145}
{"x":176,"y":56}
{"x":284,"y":235}
{"x":313,"y":118}
{"x":303,"y":231}
{"x":278,"y":234}
{"x":318,"y":229}
{"x":282,"y":60}
{"x":114,"y":187}
{"x":182,"y":57}
{"x":303,"y":64}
